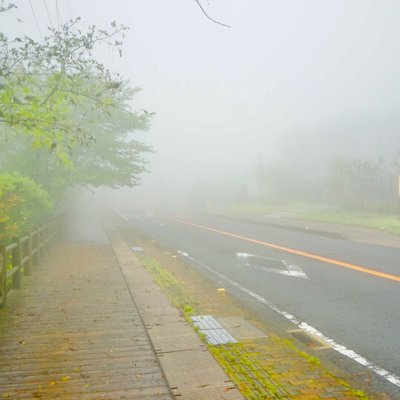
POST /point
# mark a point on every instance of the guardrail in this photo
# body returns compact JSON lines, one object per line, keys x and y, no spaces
{"x":18,"y":257}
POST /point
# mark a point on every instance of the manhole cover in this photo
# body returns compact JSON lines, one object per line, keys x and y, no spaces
{"x":310,"y":340}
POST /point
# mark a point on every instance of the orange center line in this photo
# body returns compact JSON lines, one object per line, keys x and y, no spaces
{"x":293,"y":251}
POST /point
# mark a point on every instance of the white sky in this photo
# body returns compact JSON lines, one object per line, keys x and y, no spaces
{"x":222,"y":96}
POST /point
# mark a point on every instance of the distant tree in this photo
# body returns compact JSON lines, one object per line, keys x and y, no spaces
{"x":396,"y":162}
{"x":366,"y":171}
{"x":260,"y":174}
{"x":340,"y":174}
{"x":276,"y":181}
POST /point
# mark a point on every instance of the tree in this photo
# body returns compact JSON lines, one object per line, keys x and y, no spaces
{"x":340,"y":174}
{"x":396,"y":162}
{"x":65,"y":119}
{"x":113,"y":158}
{"x":350,"y":178}
{"x":41,"y":84}
{"x":366,"y":171}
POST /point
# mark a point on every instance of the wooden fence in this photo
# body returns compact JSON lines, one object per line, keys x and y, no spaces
{"x":18,"y":257}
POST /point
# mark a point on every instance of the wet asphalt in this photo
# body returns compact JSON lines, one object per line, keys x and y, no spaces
{"x":355,"y":309}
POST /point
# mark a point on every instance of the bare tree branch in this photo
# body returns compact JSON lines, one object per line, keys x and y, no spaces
{"x":211,"y":19}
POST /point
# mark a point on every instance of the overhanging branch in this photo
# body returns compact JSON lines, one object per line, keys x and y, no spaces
{"x":211,"y":19}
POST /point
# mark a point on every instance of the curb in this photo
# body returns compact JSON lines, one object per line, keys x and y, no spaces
{"x":189,"y":368}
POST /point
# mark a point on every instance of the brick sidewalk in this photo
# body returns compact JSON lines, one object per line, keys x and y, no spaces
{"x":73,"y":332}
{"x":77,"y":330}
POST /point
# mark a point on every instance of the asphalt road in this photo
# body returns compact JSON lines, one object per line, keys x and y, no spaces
{"x":346,"y":291}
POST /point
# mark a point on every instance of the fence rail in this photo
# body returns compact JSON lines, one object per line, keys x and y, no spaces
{"x":18,"y":258}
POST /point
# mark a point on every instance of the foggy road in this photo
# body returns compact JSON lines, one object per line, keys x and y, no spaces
{"x":346,"y":291}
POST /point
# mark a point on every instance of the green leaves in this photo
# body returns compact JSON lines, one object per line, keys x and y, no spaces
{"x":44,"y":85}
{"x":22,"y":204}
{"x":65,"y":119}
{"x":111,"y":156}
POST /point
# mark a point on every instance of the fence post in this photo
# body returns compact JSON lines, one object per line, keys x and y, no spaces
{"x":16,"y":262}
{"x":53,"y":231}
{"x":35,"y":257}
{"x":48,"y":237}
{"x":3,"y":273}
{"x":28,"y":265}
{"x":39,"y":242}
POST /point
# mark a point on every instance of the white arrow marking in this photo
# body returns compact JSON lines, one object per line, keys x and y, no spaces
{"x":290,"y":269}
{"x":392,"y":378}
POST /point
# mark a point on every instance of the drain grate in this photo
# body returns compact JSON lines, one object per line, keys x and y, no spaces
{"x":310,"y":340}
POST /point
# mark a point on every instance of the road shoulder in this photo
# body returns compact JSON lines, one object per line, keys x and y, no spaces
{"x":271,"y":366}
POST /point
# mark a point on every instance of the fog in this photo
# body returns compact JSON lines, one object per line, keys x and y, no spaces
{"x":290,"y":83}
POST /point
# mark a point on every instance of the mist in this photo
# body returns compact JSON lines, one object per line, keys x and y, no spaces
{"x":206,"y":194}
{"x":290,"y":83}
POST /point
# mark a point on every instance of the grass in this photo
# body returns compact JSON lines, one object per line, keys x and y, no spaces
{"x":246,"y":373}
{"x":383,"y":221}
{"x":266,"y":208}
{"x":173,"y":287}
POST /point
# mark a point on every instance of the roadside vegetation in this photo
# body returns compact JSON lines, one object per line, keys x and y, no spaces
{"x":388,"y":221}
{"x":356,"y":192}
{"x":22,"y":204}
{"x":65,"y":120}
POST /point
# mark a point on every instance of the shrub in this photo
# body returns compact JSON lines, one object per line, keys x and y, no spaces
{"x":22,"y":204}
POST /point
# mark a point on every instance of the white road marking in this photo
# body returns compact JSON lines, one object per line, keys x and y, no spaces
{"x":291,"y":270}
{"x":123,"y":216}
{"x":392,"y":378}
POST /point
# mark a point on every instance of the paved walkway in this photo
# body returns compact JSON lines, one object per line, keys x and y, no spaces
{"x":90,"y":323}
{"x":190,"y":369}
{"x":73,"y":332}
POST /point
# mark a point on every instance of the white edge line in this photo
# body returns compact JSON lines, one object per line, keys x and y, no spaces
{"x":392,"y":378}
